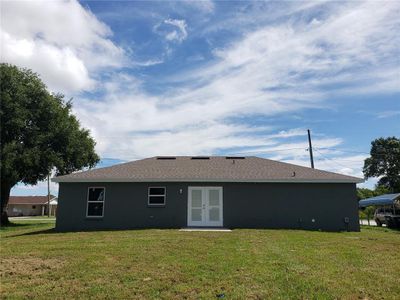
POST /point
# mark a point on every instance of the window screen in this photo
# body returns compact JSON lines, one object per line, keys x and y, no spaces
{"x":95,"y":202}
{"x":157,"y":195}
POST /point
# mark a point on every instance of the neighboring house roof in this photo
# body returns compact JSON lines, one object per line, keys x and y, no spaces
{"x":206,"y":169}
{"x":387,"y":199}
{"x":30,"y":199}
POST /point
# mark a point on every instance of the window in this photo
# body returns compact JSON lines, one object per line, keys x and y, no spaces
{"x":95,"y":202}
{"x":33,"y":206}
{"x":157,"y":196}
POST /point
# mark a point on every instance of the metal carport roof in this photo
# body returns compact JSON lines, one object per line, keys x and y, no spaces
{"x":387,"y":199}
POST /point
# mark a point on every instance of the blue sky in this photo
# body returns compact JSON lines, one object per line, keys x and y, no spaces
{"x":218,"y":77}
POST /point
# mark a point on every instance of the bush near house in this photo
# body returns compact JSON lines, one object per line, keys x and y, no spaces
{"x":169,"y":264}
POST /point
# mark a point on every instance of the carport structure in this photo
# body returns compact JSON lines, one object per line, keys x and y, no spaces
{"x":389,"y":207}
{"x":387,"y":199}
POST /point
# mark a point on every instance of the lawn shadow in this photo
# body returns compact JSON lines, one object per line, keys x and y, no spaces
{"x":36,"y":232}
{"x":12,"y":225}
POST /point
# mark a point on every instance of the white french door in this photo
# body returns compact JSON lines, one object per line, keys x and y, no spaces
{"x":205,"y":206}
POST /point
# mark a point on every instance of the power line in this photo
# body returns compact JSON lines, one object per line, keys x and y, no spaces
{"x":343,"y":150}
{"x":272,"y":150}
{"x":336,"y":158}
{"x":326,"y":158}
{"x":386,"y":152}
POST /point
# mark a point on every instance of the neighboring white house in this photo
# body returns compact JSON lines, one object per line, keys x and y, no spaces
{"x":31,"y":206}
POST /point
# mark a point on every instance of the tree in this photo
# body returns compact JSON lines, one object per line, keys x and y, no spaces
{"x":364,"y":193}
{"x":369,"y":213}
{"x":381,"y":190}
{"x":39,"y":133}
{"x":384,"y":163}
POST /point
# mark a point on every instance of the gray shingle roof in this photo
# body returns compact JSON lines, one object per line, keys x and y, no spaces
{"x":214,"y":169}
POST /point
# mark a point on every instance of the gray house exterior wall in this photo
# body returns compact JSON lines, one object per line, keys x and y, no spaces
{"x":245,"y":205}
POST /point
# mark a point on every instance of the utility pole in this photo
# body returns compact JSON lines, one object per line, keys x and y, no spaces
{"x":48,"y":195}
{"x":310,"y":149}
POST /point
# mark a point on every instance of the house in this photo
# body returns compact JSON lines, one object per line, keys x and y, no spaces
{"x":215,"y":191}
{"x":31,"y":206}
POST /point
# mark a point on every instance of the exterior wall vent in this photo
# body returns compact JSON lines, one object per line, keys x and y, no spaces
{"x":166,"y":157}
{"x":235,"y":157}
{"x":200,"y":157}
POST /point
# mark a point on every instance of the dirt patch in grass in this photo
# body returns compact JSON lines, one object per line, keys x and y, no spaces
{"x":28,"y":266}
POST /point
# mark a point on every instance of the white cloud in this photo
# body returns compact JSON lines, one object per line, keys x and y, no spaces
{"x":60,"y":68}
{"x":180,"y":34}
{"x":63,"y":42}
{"x":306,"y":56}
{"x":381,"y":114}
{"x":206,"y":6}
{"x":370,"y":183}
{"x":348,"y":165}
{"x":291,"y":133}
{"x":147,"y":63}
{"x":277,"y":69}
{"x":388,"y":114}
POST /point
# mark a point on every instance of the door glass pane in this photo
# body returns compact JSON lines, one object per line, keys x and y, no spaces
{"x":214,"y":214}
{"x":213,"y":197}
{"x":196,"y":214}
{"x":196,"y":198}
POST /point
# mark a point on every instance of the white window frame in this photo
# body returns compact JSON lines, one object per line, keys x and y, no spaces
{"x":87,"y":201}
{"x":157,"y":204}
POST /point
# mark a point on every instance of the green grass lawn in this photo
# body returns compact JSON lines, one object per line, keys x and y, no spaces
{"x":242,"y":264}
